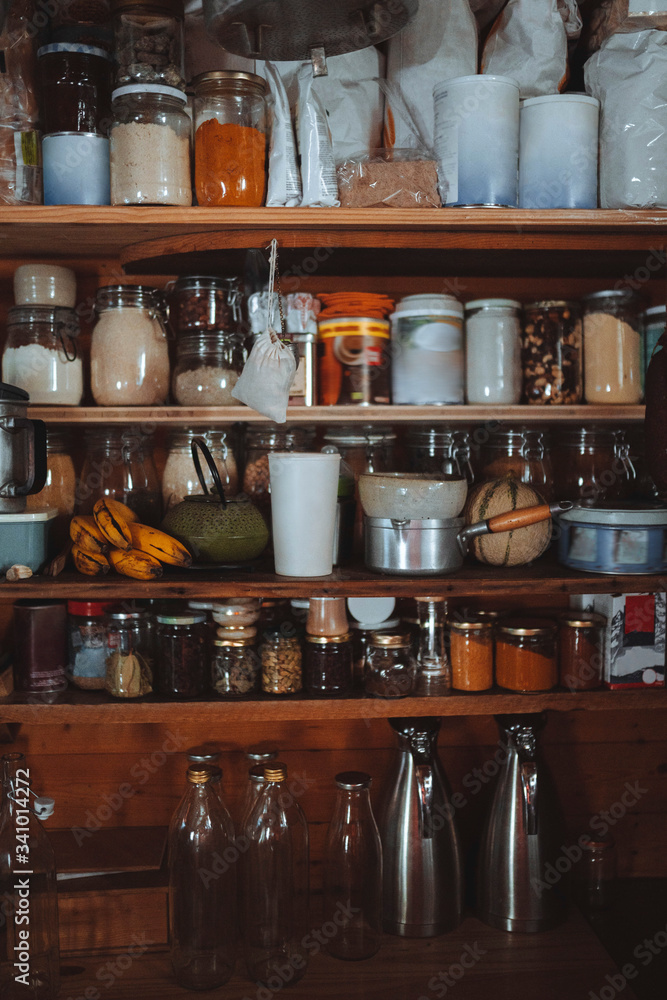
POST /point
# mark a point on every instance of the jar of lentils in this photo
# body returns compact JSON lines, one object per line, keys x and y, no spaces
{"x":327,"y":664}
{"x":551,"y":353}
{"x":281,"y":663}
{"x":235,"y":667}
{"x":392,"y":667}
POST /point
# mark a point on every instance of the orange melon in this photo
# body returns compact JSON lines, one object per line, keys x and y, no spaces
{"x":507,"y":548}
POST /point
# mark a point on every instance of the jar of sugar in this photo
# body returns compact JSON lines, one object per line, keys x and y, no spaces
{"x":42,"y":356}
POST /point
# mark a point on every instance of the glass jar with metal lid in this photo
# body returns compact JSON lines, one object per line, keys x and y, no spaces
{"x":471,"y":654}
{"x":281,"y":662}
{"x":493,"y":351}
{"x":75,"y":83}
{"x":179,"y":478}
{"x":591,"y":463}
{"x":129,"y":355}
{"x":149,"y":42}
{"x":613,"y":347}
{"x":208,"y":367}
{"x":439,"y":449}
{"x":392,"y":668}
{"x":205,"y":304}
{"x":235,"y":667}
{"x":526,"y":654}
{"x":41,"y":354}
{"x":230,"y":139}
{"x":150,"y":146}
{"x":362,"y":633}
{"x":551,"y":353}
{"x":521,"y":453}
{"x":581,"y":650}
{"x":129,"y":663}
{"x":180,"y":655}
{"x":327,"y":664}
{"x":365,"y":448}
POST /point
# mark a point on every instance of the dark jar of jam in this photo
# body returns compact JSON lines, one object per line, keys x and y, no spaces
{"x":180,"y":655}
{"x":327,"y":664}
{"x":75,"y":82}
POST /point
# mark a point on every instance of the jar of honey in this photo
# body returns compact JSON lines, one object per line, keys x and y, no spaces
{"x":526,"y":654}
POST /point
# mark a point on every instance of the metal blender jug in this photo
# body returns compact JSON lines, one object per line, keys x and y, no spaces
{"x":519,"y":886}
{"x":422,"y":872}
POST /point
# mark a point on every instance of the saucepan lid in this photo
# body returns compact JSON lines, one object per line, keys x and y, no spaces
{"x":12,"y":394}
{"x":617,"y":516}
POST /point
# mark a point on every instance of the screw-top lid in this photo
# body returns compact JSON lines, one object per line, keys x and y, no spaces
{"x":583,"y":620}
{"x":88,"y":609}
{"x":251,"y":80}
{"x":256,"y":773}
{"x":492,"y":304}
{"x":325,"y":640}
{"x":528,"y":626}
{"x":275,"y":772}
{"x":260,"y":755}
{"x":431,"y":600}
{"x":195,"y":619}
{"x":235,"y":643}
{"x":204,"y":754}
{"x":470,"y":625}
{"x":384,"y":639}
{"x":149,"y":88}
{"x":353,"y":781}
{"x":198,"y":774}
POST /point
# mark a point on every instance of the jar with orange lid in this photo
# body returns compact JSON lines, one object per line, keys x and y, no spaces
{"x":526,"y":654}
{"x":355,"y":361}
{"x":581,"y":650}
{"x":471,"y":654}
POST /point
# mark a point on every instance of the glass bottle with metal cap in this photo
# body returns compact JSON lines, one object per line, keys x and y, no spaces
{"x":353,"y":871}
{"x":208,"y":756}
{"x":257,"y":757}
{"x":275,"y":883}
{"x":392,"y":668}
{"x":434,"y":676}
{"x":202,"y":912}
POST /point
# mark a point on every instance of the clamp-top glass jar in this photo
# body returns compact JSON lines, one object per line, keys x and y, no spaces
{"x":208,"y":367}
{"x":205,"y":304}
{"x":439,"y":449}
{"x":129,"y":356}
{"x":521,"y":453}
{"x":150,"y":146}
{"x":41,"y":355}
{"x":180,"y":479}
{"x":149,"y":42}
{"x":230,"y":139}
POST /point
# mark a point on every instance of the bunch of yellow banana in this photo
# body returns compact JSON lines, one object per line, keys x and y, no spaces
{"x":113,"y":536}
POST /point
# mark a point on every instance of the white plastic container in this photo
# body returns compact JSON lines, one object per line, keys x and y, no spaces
{"x":493,"y":351}
{"x":304,"y":491}
{"x":76,"y":169}
{"x":477,"y":140}
{"x":427,"y":366}
{"x":558,"y":152}
{"x":24,"y":538}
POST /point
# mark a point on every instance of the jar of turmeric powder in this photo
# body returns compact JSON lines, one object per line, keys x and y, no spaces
{"x":471,"y":654}
{"x":230,"y":139}
{"x":526,"y":654}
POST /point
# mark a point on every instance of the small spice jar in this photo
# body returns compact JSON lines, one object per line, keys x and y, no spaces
{"x":613,"y":347}
{"x":493,"y":351}
{"x":180,"y":655}
{"x":526,"y":655}
{"x":150,"y":146}
{"x":392,"y":667}
{"x":551,"y":353}
{"x":361,"y":644}
{"x":230,"y":139}
{"x":581,"y":651}
{"x":471,"y":654}
{"x":180,"y":479}
{"x":129,"y":665}
{"x":235,"y":667}
{"x":327,"y":664}
{"x":42,"y":356}
{"x":87,"y":643}
{"x":281,"y":663}
{"x":129,"y":354}
{"x":208,"y":367}
{"x":149,"y":41}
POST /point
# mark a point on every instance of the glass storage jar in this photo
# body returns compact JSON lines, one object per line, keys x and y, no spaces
{"x":149,"y":41}
{"x":150,"y":146}
{"x":581,"y":651}
{"x":613,"y":347}
{"x":75,"y":85}
{"x":439,"y":449}
{"x":42,"y":355}
{"x":521,"y":453}
{"x":259,"y":442}
{"x":594,"y":876}
{"x":427,"y":365}
{"x":181,"y":660}
{"x":129,"y":355}
{"x":205,"y":304}
{"x":551,"y":353}
{"x":87,"y":643}
{"x":129,"y":662}
{"x":434,"y":673}
{"x":654,"y":321}
{"x":526,"y":654}
{"x":361,"y":643}
{"x":471,"y":653}
{"x":235,"y":667}
{"x":392,"y":668}
{"x":179,"y":478}
{"x":281,"y":662}
{"x":208,"y":367}
{"x":59,"y":492}
{"x":230,"y":139}
{"x":493,"y":351}
{"x":119,"y":464}
{"x":327,"y":664}
{"x":590,"y":463}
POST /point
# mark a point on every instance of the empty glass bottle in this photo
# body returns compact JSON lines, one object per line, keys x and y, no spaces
{"x":353,"y":872}
{"x":257,"y":757}
{"x":274,"y":883}
{"x":209,"y":756}
{"x":202,"y":892}
{"x":435,"y":673}
{"x":29,"y":956}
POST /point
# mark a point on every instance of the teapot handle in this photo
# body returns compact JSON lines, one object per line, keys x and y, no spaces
{"x":200,"y":443}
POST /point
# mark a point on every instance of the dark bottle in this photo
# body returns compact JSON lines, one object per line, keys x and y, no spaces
{"x":202,"y":900}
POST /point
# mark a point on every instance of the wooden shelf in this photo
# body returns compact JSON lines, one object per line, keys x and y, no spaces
{"x":213,"y":416}
{"x":94,"y":707}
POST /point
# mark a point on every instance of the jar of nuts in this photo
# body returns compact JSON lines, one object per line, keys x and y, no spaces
{"x":551,"y":353}
{"x":281,"y":662}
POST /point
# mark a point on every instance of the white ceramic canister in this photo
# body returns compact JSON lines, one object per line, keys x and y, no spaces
{"x":44,"y":285}
{"x":558,"y":151}
{"x":493,"y":351}
{"x":477,"y":140}
{"x":76,"y":169}
{"x":427,"y":359}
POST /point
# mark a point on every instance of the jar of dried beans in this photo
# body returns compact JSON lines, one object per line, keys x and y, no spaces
{"x":180,"y":655}
{"x":471,"y":655}
{"x":551,"y":354}
{"x":230,"y":139}
{"x":613,"y":347}
{"x":581,"y":650}
{"x":526,"y":655}
{"x":281,"y":662}
{"x":327,"y":664}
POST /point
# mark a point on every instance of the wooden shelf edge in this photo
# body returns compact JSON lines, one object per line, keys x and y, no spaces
{"x":87,"y":709}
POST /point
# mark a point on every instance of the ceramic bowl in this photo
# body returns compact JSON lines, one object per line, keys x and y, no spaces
{"x":404,"y":496}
